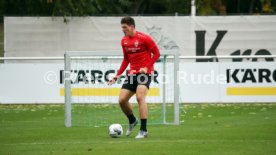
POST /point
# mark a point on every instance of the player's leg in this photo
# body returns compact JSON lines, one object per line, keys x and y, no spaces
{"x":124,"y":97}
{"x":127,"y":91}
{"x":141,"y":93}
{"x":126,"y":107}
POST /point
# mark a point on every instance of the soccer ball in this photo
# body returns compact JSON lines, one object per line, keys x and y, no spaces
{"x":115,"y":130}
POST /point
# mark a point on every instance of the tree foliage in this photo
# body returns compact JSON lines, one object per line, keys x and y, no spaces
{"x":131,"y":7}
{"x":92,"y":7}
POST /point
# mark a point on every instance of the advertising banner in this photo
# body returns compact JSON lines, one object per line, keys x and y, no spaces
{"x":220,"y":82}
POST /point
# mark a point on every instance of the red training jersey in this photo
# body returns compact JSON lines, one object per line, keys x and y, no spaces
{"x":139,"y":51}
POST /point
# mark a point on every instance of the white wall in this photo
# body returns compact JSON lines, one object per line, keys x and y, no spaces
{"x":48,"y":36}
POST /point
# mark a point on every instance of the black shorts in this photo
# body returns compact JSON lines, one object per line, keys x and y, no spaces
{"x":132,"y":81}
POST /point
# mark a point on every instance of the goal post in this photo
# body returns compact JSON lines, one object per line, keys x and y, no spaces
{"x":87,"y":94}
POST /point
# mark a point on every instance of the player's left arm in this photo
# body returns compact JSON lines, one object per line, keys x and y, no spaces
{"x":155,"y":54}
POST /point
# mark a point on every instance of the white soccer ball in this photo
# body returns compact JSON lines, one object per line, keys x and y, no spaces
{"x":115,"y":130}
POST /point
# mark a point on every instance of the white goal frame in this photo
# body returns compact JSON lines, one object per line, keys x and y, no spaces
{"x":73,"y":55}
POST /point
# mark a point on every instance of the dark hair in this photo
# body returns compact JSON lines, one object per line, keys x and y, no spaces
{"x":128,"y":20}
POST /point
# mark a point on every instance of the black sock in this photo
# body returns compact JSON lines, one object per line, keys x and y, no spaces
{"x":143,"y":125}
{"x":131,"y":118}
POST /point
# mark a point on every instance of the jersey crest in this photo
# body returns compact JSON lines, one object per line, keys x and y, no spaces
{"x":136,"y":43}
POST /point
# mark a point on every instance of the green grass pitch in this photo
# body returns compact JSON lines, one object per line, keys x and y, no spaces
{"x":207,"y":129}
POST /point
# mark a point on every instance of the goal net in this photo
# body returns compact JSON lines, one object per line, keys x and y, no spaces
{"x":89,"y":101}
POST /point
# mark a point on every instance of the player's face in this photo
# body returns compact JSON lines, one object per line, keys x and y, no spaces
{"x":128,"y":29}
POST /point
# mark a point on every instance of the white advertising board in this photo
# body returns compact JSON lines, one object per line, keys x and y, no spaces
{"x":199,"y":83}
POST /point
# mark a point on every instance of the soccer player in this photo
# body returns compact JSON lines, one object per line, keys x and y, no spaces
{"x":141,"y":53}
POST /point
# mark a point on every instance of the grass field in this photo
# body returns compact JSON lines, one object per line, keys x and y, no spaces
{"x":213,"y":129}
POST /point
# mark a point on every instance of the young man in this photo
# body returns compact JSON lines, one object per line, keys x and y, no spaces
{"x":141,"y":53}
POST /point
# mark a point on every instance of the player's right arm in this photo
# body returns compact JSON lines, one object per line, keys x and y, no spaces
{"x":122,"y":68}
